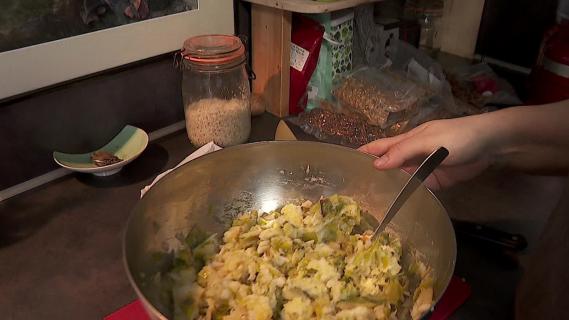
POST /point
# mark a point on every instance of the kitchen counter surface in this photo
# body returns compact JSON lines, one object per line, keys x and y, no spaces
{"x":60,"y":244}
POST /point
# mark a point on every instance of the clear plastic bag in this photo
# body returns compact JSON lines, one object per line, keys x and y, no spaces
{"x":333,"y":124}
{"x":479,"y":85}
{"x":385,"y":98}
{"x":382,"y":96}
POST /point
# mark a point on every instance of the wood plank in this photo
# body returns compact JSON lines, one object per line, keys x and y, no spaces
{"x":310,"y":6}
{"x":271,"y":29}
{"x":284,"y":133}
{"x":459,"y":30}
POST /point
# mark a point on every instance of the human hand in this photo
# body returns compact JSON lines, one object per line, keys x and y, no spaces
{"x":467,"y":139}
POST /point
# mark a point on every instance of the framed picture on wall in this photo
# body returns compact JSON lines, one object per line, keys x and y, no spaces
{"x":45,"y":42}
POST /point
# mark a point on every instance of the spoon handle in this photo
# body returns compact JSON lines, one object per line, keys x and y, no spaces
{"x":416,"y":179}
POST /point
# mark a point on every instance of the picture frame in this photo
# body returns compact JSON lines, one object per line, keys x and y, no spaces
{"x":31,"y":68}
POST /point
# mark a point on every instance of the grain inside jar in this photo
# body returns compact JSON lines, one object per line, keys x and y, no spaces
{"x":225,"y":122}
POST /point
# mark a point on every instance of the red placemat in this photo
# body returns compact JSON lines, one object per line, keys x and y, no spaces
{"x":455,"y":295}
{"x":132,"y":311}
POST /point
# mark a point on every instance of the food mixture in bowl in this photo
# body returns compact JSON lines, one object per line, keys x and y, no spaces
{"x":300,"y":262}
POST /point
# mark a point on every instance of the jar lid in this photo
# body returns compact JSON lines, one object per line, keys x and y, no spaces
{"x":214,"y":50}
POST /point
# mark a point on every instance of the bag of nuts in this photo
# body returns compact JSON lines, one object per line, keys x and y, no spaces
{"x":382,"y":96}
{"x":331,"y":124}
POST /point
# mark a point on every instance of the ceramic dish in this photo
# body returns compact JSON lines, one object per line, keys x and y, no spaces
{"x":127,"y":145}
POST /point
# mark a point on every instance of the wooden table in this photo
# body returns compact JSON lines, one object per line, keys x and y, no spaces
{"x":271,"y":30}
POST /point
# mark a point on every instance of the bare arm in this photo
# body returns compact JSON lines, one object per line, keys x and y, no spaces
{"x":530,"y":138}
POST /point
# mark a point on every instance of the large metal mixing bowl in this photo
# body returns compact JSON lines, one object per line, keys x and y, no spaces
{"x":211,"y":190}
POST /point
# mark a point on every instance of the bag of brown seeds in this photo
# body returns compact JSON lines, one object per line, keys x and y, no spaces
{"x":381,"y":96}
{"x":329,"y":123}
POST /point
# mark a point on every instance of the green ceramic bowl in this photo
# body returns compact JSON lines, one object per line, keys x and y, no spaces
{"x":127,"y":145}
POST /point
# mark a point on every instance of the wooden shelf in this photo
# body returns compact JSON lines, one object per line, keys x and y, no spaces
{"x":310,"y":6}
{"x":271,"y":25}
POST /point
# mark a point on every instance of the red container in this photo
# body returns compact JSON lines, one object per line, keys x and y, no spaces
{"x":306,"y":38}
{"x":549,"y":79}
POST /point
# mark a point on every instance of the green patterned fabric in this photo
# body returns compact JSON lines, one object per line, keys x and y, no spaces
{"x":335,"y":54}
{"x":342,"y":54}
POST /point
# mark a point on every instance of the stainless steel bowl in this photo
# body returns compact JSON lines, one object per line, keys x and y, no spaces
{"x":211,"y":190}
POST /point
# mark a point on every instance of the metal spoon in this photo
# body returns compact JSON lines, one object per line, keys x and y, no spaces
{"x":416,"y":179}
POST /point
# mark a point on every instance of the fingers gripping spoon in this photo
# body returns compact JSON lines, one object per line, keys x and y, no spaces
{"x":416,"y":179}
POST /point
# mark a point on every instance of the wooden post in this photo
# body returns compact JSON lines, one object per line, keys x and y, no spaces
{"x":271,"y":29}
{"x":461,"y":21}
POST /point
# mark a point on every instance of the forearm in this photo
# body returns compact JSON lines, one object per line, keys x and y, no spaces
{"x":532,"y":138}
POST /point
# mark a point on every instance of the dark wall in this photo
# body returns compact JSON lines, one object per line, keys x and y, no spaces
{"x":511,"y":31}
{"x":84,"y":115}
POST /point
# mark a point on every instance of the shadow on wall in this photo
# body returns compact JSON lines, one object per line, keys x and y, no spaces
{"x":84,"y":115}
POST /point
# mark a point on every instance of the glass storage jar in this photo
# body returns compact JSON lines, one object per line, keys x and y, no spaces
{"x":215,"y":90}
